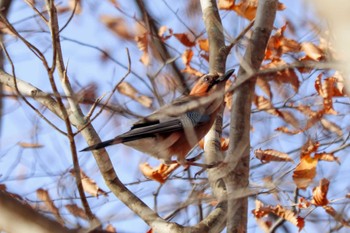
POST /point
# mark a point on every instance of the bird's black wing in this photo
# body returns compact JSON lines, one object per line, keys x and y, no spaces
{"x":150,"y":128}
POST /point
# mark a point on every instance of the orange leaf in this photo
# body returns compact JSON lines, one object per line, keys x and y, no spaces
{"x":127,"y":89}
{"x":110,"y":228}
{"x":319,"y":194}
{"x":260,"y":211}
{"x":279,"y":45}
{"x":282,"y":76}
{"x":329,"y":157}
{"x":183,"y":38}
{"x":303,"y":203}
{"x":203,"y":44}
{"x":264,"y":104}
{"x":226,"y":4}
{"x":305,"y":171}
{"x":162,"y":30}
{"x":187,"y":57}
{"x":269,"y":155}
{"x":160,"y":174}
{"x":327,"y":90}
{"x":246,"y":9}
{"x":118,"y":26}
{"x":142,"y":44}
{"x":309,"y":147}
{"x":285,"y":130}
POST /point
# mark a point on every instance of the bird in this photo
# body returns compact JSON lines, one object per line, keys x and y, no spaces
{"x":176,"y":128}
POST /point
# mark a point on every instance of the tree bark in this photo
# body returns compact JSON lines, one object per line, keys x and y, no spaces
{"x":238,"y":179}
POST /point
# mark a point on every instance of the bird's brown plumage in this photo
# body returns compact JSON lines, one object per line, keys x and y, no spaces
{"x":174,"y":129}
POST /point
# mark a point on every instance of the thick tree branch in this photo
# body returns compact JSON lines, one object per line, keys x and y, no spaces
{"x":238,"y":179}
{"x":19,"y":218}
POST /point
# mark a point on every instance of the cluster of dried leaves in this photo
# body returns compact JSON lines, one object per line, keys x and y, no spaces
{"x":303,"y":175}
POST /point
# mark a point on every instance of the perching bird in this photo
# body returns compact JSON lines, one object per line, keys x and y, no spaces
{"x":176,"y":128}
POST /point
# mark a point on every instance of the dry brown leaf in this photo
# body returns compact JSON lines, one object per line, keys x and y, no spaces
{"x":337,"y":216}
{"x":264,"y":85}
{"x":205,"y":56}
{"x":127,"y":89}
{"x":282,"y":76}
{"x":285,"y":130}
{"x":183,"y":38}
{"x":279,"y":45}
{"x":160,"y":173}
{"x":327,"y":90}
{"x":44,"y":196}
{"x":118,"y":26}
{"x":76,"y":211}
{"x":319,"y":194}
{"x":110,"y":228}
{"x":192,"y":71}
{"x":259,"y":210}
{"x":264,"y":104}
{"x":329,"y":157}
{"x":30,"y":145}
{"x":226,"y":4}
{"x":89,"y":185}
{"x":246,"y":9}
{"x":313,"y":118}
{"x":203,"y":44}
{"x":312,"y":51}
{"x":288,"y":215}
{"x":187,"y":57}
{"x":309,"y":147}
{"x":303,"y":203}
{"x":268,"y":155}
{"x":305,"y":171}
{"x":142,"y":44}
{"x":161,"y":33}
{"x":289,"y":118}
{"x":331,"y":127}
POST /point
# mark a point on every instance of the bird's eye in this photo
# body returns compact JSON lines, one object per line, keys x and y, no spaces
{"x":206,"y":79}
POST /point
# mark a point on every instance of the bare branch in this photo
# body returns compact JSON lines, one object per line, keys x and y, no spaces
{"x":240,"y":116}
{"x":16,"y":217}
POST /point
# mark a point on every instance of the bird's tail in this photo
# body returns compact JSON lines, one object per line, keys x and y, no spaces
{"x":103,"y":144}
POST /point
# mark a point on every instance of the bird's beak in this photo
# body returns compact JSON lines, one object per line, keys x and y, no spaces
{"x":226,"y":76}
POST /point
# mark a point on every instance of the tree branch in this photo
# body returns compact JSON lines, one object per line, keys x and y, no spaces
{"x":19,"y":218}
{"x":238,"y":179}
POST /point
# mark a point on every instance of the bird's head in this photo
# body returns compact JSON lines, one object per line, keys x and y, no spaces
{"x":208,"y":81}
